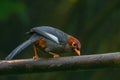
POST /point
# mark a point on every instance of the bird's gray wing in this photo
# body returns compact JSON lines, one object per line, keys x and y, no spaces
{"x":51,"y":33}
{"x":45,"y":34}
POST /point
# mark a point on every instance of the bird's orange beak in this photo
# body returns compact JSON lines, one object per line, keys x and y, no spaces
{"x":77,"y":52}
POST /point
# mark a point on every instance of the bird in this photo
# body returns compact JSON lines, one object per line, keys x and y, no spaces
{"x":49,"y":40}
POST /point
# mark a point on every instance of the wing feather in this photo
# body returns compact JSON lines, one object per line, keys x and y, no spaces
{"x":51,"y":33}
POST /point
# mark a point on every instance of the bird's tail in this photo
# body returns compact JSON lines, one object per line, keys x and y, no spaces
{"x":18,"y":49}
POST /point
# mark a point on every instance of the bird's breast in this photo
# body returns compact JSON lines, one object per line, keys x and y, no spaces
{"x":50,"y":46}
{"x":54,"y":47}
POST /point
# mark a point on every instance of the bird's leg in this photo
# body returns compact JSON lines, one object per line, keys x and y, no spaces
{"x":42,"y":43}
{"x":39,"y":43}
{"x":35,"y":52}
{"x":54,"y":54}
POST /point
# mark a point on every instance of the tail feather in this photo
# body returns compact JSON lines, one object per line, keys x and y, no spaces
{"x":18,"y":49}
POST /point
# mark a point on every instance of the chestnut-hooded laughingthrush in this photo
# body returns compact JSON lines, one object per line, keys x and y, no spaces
{"x":50,"y":40}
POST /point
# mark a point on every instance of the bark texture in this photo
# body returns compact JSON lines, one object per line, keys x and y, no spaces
{"x":72,"y":63}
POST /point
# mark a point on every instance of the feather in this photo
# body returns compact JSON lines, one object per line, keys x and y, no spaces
{"x":53,"y":37}
{"x":51,"y":33}
{"x":21,"y":47}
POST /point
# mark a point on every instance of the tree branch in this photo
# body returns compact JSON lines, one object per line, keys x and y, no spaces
{"x":84,"y":62}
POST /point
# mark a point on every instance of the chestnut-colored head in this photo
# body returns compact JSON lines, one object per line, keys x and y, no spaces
{"x":74,"y":44}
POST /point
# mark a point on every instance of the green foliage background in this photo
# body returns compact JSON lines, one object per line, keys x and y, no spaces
{"x":96,"y":23}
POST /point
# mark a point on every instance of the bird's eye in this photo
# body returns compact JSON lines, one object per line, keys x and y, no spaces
{"x":73,"y":44}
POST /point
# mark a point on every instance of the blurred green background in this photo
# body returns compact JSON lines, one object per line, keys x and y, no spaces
{"x":96,"y":23}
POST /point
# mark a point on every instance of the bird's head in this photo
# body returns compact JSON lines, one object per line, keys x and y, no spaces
{"x":74,"y":44}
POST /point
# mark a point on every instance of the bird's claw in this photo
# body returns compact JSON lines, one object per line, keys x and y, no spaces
{"x":56,"y":56}
{"x":35,"y":57}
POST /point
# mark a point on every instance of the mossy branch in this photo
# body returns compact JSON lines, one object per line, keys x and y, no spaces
{"x":84,"y":62}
